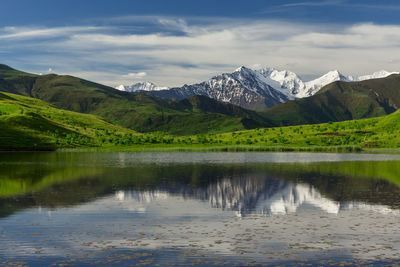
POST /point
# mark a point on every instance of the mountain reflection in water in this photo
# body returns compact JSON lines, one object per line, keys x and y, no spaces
{"x":65,"y":179}
{"x":248,"y":196}
{"x":199,"y":209}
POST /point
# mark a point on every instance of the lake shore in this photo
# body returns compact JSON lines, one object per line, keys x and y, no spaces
{"x":210,"y":148}
{"x":241,"y":148}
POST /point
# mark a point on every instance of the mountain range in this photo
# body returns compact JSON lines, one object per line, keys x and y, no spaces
{"x":142,"y":86}
{"x":252,"y":89}
{"x":199,"y":114}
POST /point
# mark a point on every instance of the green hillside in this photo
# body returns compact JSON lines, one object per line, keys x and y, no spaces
{"x":340,"y":101}
{"x":143,"y":113}
{"x":31,"y":124}
{"x":381,"y":132}
{"x":347,"y":136}
{"x":206,"y":115}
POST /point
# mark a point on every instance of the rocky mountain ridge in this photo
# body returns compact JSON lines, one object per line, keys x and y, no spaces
{"x":252,"y":89}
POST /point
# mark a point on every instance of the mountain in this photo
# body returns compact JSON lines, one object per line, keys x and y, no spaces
{"x":375,"y":75}
{"x":291,"y":85}
{"x":244,"y":87}
{"x":340,"y":101}
{"x":255,"y":89}
{"x":285,"y":81}
{"x":139,"y":112}
{"x":142,"y":86}
{"x":312,"y":87}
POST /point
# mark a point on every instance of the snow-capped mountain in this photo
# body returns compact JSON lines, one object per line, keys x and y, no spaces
{"x":376,"y":75}
{"x":244,"y":87}
{"x":291,"y":85}
{"x":282,"y":80}
{"x":253,"y":89}
{"x":311,"y":87}
{"x":142,"y":86}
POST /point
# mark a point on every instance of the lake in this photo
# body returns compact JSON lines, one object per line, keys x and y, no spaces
{"x":199,"y":209}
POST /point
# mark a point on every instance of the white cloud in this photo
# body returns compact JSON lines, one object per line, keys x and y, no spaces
{"x":202,"y":50}
{"x":319,"y":3}
{"x":33,"y":33}
{"x":137,"y":75}
{"x":339,"y":3}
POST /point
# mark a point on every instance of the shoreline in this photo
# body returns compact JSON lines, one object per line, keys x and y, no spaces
{"x":202,"y":148}
{"x":169,"y":148}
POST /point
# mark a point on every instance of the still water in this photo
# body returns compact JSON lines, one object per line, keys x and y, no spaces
{"x":201,"y":209}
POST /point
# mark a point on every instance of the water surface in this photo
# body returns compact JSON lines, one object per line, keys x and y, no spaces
{"x":205,"y":209}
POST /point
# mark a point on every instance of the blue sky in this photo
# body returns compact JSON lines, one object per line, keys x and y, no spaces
{"x":176,"y":42}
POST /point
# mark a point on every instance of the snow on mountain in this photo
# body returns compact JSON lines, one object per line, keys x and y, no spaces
{"x":244,"y":87}
{"x":285,"y":81}
{"x":294,"y":87}
{"x":141,"y":86}
{"x":314,"y":86}
{"x":377,"y":75}
{"x":252,"y":89}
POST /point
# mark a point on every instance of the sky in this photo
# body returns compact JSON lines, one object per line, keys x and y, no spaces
{"x":175,"y":42}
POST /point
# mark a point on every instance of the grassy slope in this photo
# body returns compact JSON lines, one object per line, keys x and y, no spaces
{"x":206,"y":115}
{"x":28,"y":123}
{"x":31,"y":124}
{"x":341,"y":101}
{"x":367,"y":133}
{"x":382,"y":132}
{"x":142,"y":113}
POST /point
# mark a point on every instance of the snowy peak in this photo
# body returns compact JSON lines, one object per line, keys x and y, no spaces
{"x":244,"y":87}
{"x":121,"y":87}
{"x":377,"y":75}
{"x":293,"y":87}
{"x":141,"y":86}
{"x":242,"y":69}
{"x":252,"y":89}
{"x":285,"y":81}
{"x":290,"y":84}
{"x":333,"y":75}
{"x":314,"y":86}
